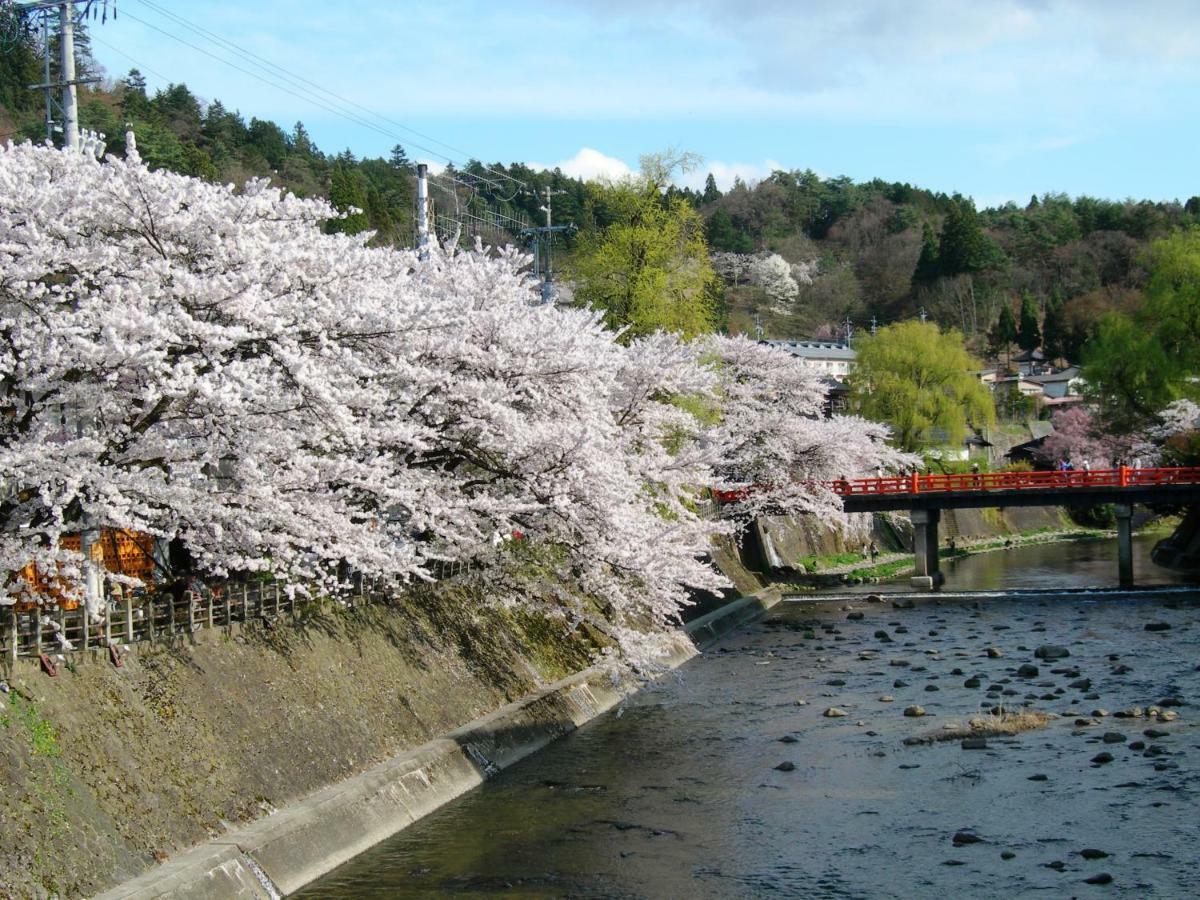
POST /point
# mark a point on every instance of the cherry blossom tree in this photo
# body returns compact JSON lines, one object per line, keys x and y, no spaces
{"x":205,"y":364}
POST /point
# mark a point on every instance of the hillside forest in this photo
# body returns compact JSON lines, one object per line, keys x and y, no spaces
{"x":796,"y":255}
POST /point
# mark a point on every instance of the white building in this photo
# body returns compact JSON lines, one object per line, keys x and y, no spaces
{"x":828,"y":357}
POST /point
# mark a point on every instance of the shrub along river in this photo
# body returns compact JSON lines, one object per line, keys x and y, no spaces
{"x":730,"y":779}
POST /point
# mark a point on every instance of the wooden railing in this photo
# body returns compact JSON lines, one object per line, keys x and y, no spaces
{"x":135,"y":617}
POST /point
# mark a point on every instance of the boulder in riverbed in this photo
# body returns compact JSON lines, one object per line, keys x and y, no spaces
{"x":1051,"y":651}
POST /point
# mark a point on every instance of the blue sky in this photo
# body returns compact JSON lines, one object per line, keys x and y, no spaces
{"x":998,"y":99}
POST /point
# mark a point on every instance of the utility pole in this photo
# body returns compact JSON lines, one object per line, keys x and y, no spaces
{"x":873,"y":325}
{"x":758,"y":326}
{"x":922,"y":314}
{"x":849,"y":330}
{"x":67,"y":81}
{"x":544,"y":234}
{"x":422,"y":211}
{"x":66,"y":48}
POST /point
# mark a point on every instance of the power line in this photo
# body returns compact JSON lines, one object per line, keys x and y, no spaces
{"x":141,"y":65}
{"x":306,"y":95}
{"x":298,"y":80}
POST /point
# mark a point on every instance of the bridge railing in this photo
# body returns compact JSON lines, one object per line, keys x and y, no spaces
{"x":1016,"y":481}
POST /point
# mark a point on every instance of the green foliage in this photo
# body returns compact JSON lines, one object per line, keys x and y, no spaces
{"x":927,"y":263}
{"x":963,"y":248}
{"x":1029,"y":335}
{"x":348,"y":192}
{"x":920,"y":381}
{"x":1004,"y":332}
{"x":649,"y":269}
{"x":1141,"y":361}
{"x":723,"y":235}
{"x":1056,"y":330}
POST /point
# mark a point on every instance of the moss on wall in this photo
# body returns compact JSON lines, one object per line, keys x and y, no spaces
{"x":108,"y":769}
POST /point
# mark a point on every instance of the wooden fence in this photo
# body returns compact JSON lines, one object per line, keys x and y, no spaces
{"x":136,"y":617}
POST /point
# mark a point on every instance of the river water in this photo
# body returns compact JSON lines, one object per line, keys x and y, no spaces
{"x":677,"y":793}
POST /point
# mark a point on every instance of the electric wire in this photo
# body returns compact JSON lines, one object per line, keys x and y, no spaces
{"x":299,"y":81}
{"x":306,"y":96}
{"x":141,"y":65}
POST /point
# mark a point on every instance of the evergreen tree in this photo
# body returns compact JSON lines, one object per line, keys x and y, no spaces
{"x":1004,"y":332}
{"x":711,"y":192}
{"x":134,"y":103}
{"x":399,"y":159}
{"x":963,"y":248}
{"x":927,"y":263}
{"x":300,"y":143}
{"x":346,"y":190}
{"x":1056,"y":336}
{"x":1029,"y":335}
{"x":722,"y":235}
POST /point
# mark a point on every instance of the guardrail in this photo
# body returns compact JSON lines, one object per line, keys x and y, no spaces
{"x":1121,"y":477}
{"x":1017,"y":481}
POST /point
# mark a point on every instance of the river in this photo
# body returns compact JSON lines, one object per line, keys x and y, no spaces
{"x":678,"y":794}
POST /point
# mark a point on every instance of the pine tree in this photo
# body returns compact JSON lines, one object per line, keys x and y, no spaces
{"x":399,"y":159}
{"x":963,"y":247}
{"x":927,"y":263}
{"x":300,"y":143}
{"x":1029,"y":335}
{"x":134,"y":103}
{"x":1056,"y":337}
{"x":1004,"y":332}
{"x":711,"y":192}
{"x":347,"y":190}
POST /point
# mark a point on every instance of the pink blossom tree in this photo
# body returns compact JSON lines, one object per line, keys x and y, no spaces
{"x":205,"y":364}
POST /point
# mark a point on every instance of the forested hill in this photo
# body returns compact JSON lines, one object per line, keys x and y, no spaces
{"x":857,"y":251}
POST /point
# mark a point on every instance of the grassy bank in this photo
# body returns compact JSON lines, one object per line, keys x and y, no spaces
{"x":847,"y":568}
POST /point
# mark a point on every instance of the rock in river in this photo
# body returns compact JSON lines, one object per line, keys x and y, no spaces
{"x":1051,"y":651}
{"x":786,"y":766}
{"x":1028,"y":671}
{"x":962,"y":838}
{"x":1157,"y":626}
{"x":835,"y":713}
{"x":914,"y":712}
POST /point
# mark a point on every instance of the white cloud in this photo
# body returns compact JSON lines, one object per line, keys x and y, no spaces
{"x":724,"y":173}
{"x":590,"y":165}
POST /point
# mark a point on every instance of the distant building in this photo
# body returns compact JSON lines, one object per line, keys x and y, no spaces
{"x":828,"y":357}
{"x":1060,"y":388}
{"x":834,"y":360}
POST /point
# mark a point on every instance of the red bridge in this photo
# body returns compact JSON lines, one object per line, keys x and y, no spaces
{"x":925,"y":496}
{"x":1007,"y":483}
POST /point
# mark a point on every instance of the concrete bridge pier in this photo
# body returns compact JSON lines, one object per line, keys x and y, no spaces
{"x":1124,"y":512}
{"x":927,"y":574}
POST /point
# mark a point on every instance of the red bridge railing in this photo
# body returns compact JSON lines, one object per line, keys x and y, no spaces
{"x":997,"y":481}
{"x":1017,"y":481}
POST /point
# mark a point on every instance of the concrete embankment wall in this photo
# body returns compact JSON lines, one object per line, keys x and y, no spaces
{"x":247,"y":763}
{"x":780,"y":542}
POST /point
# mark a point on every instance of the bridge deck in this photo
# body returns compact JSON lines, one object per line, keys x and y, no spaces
{"x":992,"y":489}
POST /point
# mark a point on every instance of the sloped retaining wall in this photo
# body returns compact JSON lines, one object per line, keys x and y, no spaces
{"x":282,"y":852}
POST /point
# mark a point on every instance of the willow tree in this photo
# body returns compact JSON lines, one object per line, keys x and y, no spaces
{"x":649,"y":270}
{"x":922,"y":382}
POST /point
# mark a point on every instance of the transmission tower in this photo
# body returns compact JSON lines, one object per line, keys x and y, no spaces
{"x":542,"y":236}
{"x":68,"y":12}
